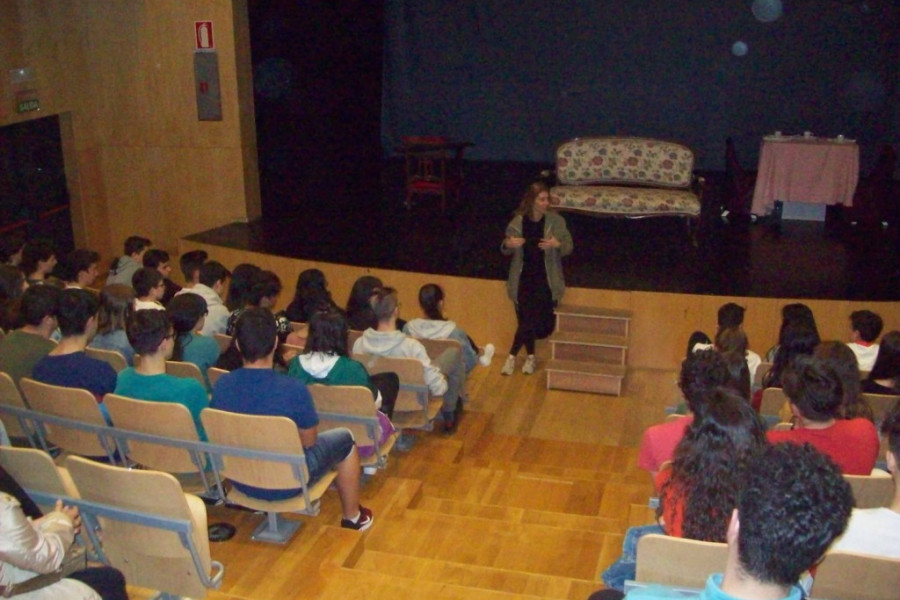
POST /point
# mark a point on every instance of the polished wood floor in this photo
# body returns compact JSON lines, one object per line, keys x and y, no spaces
{"x":529,"y":498}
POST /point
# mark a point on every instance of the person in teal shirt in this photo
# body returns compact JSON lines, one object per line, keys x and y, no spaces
{"x":187,"y":312}
{"x":151,"y":335}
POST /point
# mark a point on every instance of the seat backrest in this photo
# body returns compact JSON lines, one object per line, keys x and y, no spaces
{"x":167,"y":419}
{"x":223,"y":340}
{"x":881,"y":404}
{"x":214,"y":373}
{"x":34,"y":469}
{"x":624,"y":160}
{"x":272,"y":434}
{"x":148,"y":557}
{"x":113,"y":358}
{"x":10,"y":396}
{"x":180,"y":368}
{"x":347,"y":400}
{"x":436,"y":347}
{"x":872,"y":491}
{"x":773,"y":400}
{"x":70,"y":403}
{"x":852,"y":576}
{"x":352,"y":336}
{"x":761,"y":371}
{"x":676,"y":561}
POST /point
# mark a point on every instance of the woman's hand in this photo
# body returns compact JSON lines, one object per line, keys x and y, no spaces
{"x":550,"y":242}
{"x":514,"y":242}
{"x":71,"y":512}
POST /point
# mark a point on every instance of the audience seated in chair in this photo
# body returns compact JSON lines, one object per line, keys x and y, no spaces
{"x":155,"y":258}
{"x":190,"y":263}
{"x":123,"y":268}
{"x":80,"y":268}
{"x":877,"y":530}
{"x":445,"y":376}
{"x":701,"y":372}
{"x":839,"y":357}
{"x":38,"y":261}
{"x":816,"y":401}
{"x":360,"y":315}
{"x":116,"y":304}
{"x":792,"y":502}
{"x":67,"y":365}
{"x":435,"y":326}
{"x":263,"y":291}
{"x":21,"y":349}
{"x":258,"y":390}
{"x":699,"y":490}
{"x":149,"y":289}
{"x":211,"y":284}
{"x":884,"y":378}
{"x":865,"y":327}
{"x":310,"y":295}
{"x":796,"y":338}
{"x":730,"y":316}
{"x":325,"y":361}
{"x":792,"y":313}
{"x":151,"y":335}
{"x":187,"y":313}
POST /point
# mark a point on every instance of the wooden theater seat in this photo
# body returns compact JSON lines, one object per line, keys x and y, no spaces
{"x":678,"y":562}
{"x":111,"y":357}
{"x":852,"y":576}
{"x":415,"y":407}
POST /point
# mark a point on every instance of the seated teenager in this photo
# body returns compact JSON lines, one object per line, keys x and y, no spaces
{"x":730,"y":316}
{"x":876,"y":531}
{"x":792,"y":502}
{"x":212,"y":283}
{"x":865,"y":327}
{"x":816,"y":400}
{"x":38,"y":261}
{"x":116,"y":305}
{"x":435,"y":326}
{"x":256,"y":389}
{"x":155,"y":258}
{"x":190,"y":263}
{"x":884,"y":378}
{"x":445,"y":376}
{"x":148,"y":289}
{"x":310,"y":296}
{"x":151,"y":335}
{"x":701,"y":372}
{"x":263,"y":291}
{"x":793,"y":313}
{"x":324,"y":361}
{"x":80,"y":269}
{"x":839,"y":357}
{"x":21,"y":349}
{"x":360,"y":315}
{"x":67,"y":365}
{"x":797,"y":338}
{"x":699,"y":491}
{"x":239,"y":285}
{"x":12,"y":286}
{"x":732,"y":344}
{"x":187,"y":313}
{"x":123,"y":268}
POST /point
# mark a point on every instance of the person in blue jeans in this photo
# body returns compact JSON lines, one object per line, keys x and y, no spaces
{"x":256,"y":389}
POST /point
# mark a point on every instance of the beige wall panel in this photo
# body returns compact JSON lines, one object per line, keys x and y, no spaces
{"x":11,"y":56}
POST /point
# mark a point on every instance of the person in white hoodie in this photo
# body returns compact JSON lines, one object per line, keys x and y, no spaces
{"x":445,"y":377}
{"x":436,"y":327}
{"x":213,"y":281}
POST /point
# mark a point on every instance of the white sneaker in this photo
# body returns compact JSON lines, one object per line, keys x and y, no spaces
{"x":487,"y":355}
{"x":509,"y":366}
{"x":530,"y":363}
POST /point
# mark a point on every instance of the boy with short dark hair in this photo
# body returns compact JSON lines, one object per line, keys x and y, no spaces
{"x":212,"y":283}
{"x":148,"y":289}
{"x":865,"y":327}
{"x":21,"y":349}
{"x":190,"y":263}
{"x":154,"y":258}
{"x":81,"y":268}
{"x":123,"y":268}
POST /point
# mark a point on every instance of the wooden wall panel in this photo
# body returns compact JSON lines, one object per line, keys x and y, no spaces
{"x":661,"y":324}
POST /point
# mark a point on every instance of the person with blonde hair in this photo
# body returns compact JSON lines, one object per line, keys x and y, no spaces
{"x":537,"y":239}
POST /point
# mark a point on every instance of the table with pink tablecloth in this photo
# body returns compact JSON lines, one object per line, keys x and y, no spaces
{"x":812,"y":170}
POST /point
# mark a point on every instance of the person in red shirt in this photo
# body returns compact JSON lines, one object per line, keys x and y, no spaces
{"x":816,"y":398}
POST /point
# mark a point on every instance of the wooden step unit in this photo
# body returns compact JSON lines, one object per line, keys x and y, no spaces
{"x":589,"y":349}
{"x":581,"y":376}
{"x":606,"y":321}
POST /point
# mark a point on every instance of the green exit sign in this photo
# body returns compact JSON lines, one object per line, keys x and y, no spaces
{"x":28,"y":105}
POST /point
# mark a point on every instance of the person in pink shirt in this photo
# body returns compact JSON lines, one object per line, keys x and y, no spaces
{"x":701,"y":372}
{"x":816,"y":399}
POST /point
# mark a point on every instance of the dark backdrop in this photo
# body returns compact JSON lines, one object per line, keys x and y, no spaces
{"x":519,"y":77}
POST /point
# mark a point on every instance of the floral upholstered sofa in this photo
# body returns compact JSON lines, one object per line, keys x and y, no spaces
{"x":627,"y":177}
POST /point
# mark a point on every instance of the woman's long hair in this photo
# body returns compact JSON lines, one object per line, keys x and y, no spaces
{"x":430,"y":297}
{"x":185,"y":311}
{"x":526,"y":206}
{"x":327,"y":333}
{"x":841,"y":358}
{"x":708,"y":464}
{"x":887,"y":363}
{"x":797,"y":338}
{"x":241,"y":282}
{"x":310,"y":295}
{"x":116,"y":305}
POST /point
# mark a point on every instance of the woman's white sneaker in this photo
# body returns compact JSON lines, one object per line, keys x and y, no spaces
{"x":530,"y":364}
{"x":509,"y":366}
{"x":487,"y":355}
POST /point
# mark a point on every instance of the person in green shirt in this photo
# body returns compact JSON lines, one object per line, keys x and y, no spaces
{"x":21,"y":349}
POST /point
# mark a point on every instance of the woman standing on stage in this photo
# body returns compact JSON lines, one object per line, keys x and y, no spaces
{"x":537,"y":239}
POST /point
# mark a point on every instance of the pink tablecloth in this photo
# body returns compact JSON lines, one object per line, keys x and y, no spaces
{"x":814,"y":170}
